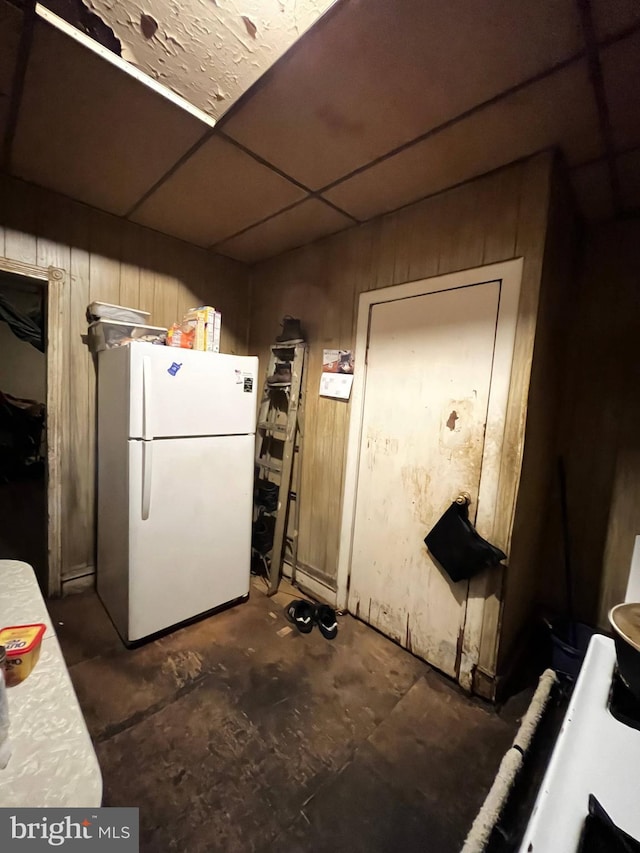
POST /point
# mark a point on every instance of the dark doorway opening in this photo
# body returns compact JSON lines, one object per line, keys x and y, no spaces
{"x":23,"y":422}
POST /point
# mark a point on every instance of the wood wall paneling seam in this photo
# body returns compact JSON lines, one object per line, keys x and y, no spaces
{"x":57,"y":296}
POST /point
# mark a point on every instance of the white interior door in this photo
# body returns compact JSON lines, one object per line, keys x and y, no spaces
{"x":190,"y":505}
{"x":428,"y":377}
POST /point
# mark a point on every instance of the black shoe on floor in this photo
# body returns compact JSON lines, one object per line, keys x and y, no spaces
{"x":301,"y":613}
{"x":326,"y":621}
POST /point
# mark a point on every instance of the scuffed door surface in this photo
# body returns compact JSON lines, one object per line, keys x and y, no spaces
{"x":427,"y":390}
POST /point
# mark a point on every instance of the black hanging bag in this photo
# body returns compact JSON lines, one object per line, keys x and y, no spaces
{"x":457,"y":545}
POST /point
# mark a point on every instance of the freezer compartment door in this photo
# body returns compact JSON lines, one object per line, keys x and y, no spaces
{"x":175,"y":392}
{"x":190,"y":506}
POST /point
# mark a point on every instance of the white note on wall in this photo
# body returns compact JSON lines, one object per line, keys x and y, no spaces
{"x":336,"y":385}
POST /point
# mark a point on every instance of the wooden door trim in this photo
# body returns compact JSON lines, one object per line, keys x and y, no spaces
{"x":510,"y":274}
{"x":54,"y":279}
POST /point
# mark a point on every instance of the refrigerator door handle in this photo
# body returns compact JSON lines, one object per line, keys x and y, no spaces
{"x":147,"y":432}
{"x":147,"y":465}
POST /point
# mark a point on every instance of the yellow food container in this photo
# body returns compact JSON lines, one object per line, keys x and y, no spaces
{"x":22,"y":643}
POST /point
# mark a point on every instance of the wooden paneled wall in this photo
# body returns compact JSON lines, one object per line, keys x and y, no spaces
{"x":601,"y":421}
{"x":110,"y":260}
{"x":497,"y":217}
{"x":536,"y":525}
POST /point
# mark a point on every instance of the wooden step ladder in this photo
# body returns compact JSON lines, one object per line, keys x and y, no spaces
{"x":278,"y":442}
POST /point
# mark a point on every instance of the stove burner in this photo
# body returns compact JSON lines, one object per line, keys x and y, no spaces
{"x":623,"y":705}
{"x":601,"y":835}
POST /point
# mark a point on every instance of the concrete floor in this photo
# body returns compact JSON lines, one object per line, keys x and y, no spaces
{"x":234,"y":734}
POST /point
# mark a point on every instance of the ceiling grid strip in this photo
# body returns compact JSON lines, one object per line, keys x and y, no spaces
{"x":590,"y":54}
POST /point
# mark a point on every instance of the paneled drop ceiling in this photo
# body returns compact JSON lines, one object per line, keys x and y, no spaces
{"x":98,"y":136}
{"x":379,"y":104}
{"x":216,"y":193}
{"x":380,"y":74}
{"x":556,"y":110}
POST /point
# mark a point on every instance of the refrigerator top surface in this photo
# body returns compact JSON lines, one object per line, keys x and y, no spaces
{"x":175,"y":393}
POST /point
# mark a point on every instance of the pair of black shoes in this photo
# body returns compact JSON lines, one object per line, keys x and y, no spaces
{"x":305,"y":615}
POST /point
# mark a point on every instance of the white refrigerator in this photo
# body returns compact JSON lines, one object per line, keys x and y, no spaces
{"x":176,"y":445}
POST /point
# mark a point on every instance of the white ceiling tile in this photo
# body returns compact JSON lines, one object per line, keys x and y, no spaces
{"x":612,"y":16}
{"x":302,"y":224}
{"x":621,"y":71}
{"x":10,"y":25}
{"x":217,"y":192}
{"x":210,"y":52}
{"x":593,"y":191}
{"x":556,"y":111}
{"x":375,"y":75}
{"x":89,"y":130}
{"x":629,"y":174}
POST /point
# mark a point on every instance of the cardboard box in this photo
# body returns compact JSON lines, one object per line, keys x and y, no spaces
{"x":202,"y":318}
{"x":215,"y":333}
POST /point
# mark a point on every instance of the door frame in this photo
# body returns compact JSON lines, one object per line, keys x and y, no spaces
{"x":53,"y":279}
{"x":502,"y":422}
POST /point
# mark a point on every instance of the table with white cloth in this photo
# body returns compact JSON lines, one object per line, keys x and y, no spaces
{"x":53,"y":762}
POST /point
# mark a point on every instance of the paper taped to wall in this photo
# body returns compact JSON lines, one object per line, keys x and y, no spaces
{"x":336,"y":385}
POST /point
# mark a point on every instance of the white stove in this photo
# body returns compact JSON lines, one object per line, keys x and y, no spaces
{"x":597,"y":752}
